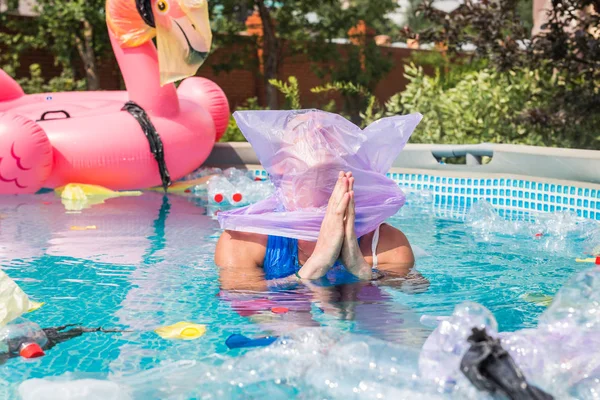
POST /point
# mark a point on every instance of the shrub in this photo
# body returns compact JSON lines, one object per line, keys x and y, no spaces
{"x":488,"y":106}
{"x":233,"y":133}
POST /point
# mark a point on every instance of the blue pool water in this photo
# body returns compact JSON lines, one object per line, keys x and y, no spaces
{"x":149,"y":263}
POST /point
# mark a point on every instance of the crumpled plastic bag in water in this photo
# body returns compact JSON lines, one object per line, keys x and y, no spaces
{"x":13,"y":301}
{"x":303,"y":152}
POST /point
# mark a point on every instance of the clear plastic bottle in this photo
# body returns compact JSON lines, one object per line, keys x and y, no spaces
{"x":234,"y":174}
{"x":20,"y":332}
{"x":202,"y":172}
{"x":221,"y":191}
{"x":258,"y":191}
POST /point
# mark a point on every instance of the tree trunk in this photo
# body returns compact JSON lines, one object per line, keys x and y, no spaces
{"x":354,"y":105}
{"x":85,"y":48}
{"x":270,"y":45}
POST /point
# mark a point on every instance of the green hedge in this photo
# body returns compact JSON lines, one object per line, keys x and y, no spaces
{"x":488,"y":106}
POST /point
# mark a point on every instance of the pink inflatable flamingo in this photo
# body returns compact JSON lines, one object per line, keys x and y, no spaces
{"x":150,"y":134}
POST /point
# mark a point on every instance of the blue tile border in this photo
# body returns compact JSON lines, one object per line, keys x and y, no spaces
{"x":510,"y":194}
{"x":507,"y":194}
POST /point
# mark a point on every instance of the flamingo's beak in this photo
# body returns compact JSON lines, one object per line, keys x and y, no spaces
{"x":183,"y":39}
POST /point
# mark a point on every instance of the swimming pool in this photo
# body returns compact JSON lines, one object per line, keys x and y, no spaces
{"x":148,"y":263}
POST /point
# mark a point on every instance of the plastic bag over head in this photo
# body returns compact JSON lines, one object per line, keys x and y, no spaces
{"x":303,"y":151}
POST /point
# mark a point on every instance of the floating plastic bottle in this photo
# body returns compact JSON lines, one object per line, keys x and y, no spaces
{"x":259,"y":191}
{"x":233,"y":174}
{"x":21,"y":332}
{"x":221,"y":191}
{"x":202,"y":172}
{"x":432,"y":321}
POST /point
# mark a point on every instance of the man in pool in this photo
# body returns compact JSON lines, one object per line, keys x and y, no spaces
{"x":312,"y":142}
{"x":244,"y":257}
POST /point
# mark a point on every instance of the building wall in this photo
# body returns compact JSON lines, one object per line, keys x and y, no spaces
{"x":242,"y":84}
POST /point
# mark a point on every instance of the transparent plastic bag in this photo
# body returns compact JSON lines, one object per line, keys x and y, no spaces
{"x":13,"y":301}
{"x":303,"y":152}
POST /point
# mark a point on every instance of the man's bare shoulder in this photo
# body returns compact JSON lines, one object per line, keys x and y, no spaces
{"x":240,"y":249}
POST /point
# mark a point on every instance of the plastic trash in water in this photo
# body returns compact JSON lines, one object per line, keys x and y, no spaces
{"x":64,"y":389}
{"x":84,"y":228}
{"x":221,"y":191}
{"x":594,"y":260}
{"x":34,"y":305}
{"x":230,"y":188}
{"x":491,"y":369}
{"x":432,"y":321}
{"x":203,"y":172}
{"x":31,"y":350}
{"x":237,"y":341}
{"x":14,"y":302}
{"x":439,"y":361}
{"x":318,"y":363}
{"x":303,"y":151}
{"x":235,"y":175}
{"x":538,"y":298}
{"x":21,"y":331}
{"x":557,"y":356}
{"x":77,"y":196}
{"x":181,"y":330}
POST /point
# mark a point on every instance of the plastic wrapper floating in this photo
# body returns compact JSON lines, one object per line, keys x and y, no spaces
{"x":561,"y":356}
{"x":303,"y":152}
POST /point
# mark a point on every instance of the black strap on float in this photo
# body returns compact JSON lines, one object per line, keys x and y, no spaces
{"x":490,"y":368}
{"x":156,"y":145}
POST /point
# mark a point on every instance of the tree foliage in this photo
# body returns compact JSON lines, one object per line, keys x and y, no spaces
{"x":73,"y":31}
{"x":307,"y":28}
{"x":487,"y":106}
{"x":565,"y":51}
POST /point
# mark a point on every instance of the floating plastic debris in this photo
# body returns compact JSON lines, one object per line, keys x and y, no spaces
{"x":34,"y":305}
{"x":561,"y":233}
{"x":485,"y":220}
{"x":77,"y":196}
{"x":183,"y":186}
{"x":84,"y":228}
{"x":237,"y":188}
{"x":561,"y":356}
{"x":321,"y":363}
{"x":237,"y":341}
{"x":64,"y":389}
{"x":21,"y":331}
{"x":432,"y":321}
{"x":13,"y":301}
{"x":228,"y":189}
{"x":490,"y":368}
{"x":595,"y":260}
{"x":538,"y":298}
{"x":203,"y":172}
{"x":31,"y":350}
{"x":418,"y":197}
{"x":182,"y":330}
